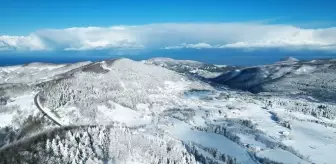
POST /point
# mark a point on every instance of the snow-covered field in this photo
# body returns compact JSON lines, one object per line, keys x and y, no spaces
{"x":122,"y":111}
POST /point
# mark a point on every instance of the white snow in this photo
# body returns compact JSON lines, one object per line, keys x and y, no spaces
{"x":304,"y":69}
{"x":182,"y":131}
{"x":5,"y":119}
{"x":281,"y":156}
{"x":18,"y":110}
{"x":34,"y":72}
{"x":314,"y":141}
{"x":121,"y":114}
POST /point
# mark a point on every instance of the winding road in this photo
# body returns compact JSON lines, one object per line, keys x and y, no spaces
{"x":38,"y":105}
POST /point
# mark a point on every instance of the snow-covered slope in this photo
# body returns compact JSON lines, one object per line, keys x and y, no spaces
{"x":123,"y":111}
{"x":101,"y":89}
{"x":288,"y":60}
{"x":316,"y":78}
{"x":190,"y":67}
{"x":96,"y":145}
{"x":34,"y":72}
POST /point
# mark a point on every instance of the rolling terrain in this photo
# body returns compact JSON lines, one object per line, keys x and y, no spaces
{"x":315,"y":78}
{"x":168,"y":111}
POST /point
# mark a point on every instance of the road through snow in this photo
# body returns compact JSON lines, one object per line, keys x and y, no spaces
{"x":46,"y":112}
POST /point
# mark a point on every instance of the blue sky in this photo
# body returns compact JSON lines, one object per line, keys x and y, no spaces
{"x":128,"y":26}
{"x":20,"y":17}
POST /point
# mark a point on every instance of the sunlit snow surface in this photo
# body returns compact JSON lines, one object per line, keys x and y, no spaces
{"x":141,"y":103}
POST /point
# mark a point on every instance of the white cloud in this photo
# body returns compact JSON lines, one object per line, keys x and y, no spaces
{"x":21,"y":43}
{"x":196,"y":46}
{"x":172,"y":36}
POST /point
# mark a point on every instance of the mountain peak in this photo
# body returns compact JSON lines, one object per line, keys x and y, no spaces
{"x":289,"y":59}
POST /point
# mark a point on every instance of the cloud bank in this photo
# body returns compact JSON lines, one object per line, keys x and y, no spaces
{"x":174,"y":36}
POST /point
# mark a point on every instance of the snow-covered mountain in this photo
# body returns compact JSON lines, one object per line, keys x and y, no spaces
{"x":95,"y":91}
{"x":288,"y":60}
{"x":34,"y":72}
{"x":316,"y":78}
{"x":190,"y":67}
{"x":167,"y":111}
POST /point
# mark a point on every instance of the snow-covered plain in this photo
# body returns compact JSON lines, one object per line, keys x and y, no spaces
{"x":122,"y":111}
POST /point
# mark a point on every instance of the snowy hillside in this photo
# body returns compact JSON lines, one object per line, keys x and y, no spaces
{"x":190,"y":67}
{"x":156,"y":111}
{"x":99,"y":90}
{"x":34,"y":72}
{"x":315,"y":78}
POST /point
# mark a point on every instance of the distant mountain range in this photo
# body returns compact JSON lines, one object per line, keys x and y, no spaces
{"x":316,"y":78}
